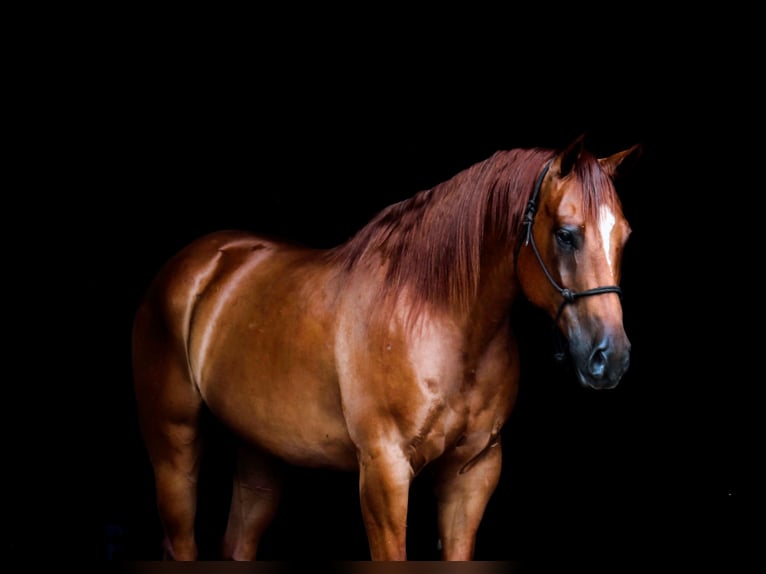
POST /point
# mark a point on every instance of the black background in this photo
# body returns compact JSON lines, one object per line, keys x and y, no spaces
{"x":137,"y":137}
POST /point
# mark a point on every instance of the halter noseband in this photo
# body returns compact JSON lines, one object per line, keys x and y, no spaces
{"x":528,"y":238}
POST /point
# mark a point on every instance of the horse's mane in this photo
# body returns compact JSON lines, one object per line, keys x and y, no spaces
{"x":432,"y":242}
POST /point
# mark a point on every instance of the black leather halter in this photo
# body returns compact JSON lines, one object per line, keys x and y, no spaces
{"x":528,"y":238}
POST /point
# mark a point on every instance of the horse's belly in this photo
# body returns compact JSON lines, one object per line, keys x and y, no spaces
{"x":297,"y":419}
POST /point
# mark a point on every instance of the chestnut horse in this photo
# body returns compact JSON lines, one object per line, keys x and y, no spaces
{"x":387,"y":353}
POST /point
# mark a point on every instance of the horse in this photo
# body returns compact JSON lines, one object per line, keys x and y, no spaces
{"x":383,"y":355}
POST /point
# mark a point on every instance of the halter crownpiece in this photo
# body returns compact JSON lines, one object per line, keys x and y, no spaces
{"x":568,"y":295}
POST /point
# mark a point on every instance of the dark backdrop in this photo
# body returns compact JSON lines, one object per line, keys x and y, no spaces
{"x":138,"y":145}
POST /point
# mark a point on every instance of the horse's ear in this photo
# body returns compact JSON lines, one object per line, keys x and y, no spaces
{"x":621,"y":162}
{"x":566,"y":158}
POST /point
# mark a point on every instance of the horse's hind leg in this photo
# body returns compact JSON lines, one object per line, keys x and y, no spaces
{"x":169,"y":409}
{"x":255,"y":496}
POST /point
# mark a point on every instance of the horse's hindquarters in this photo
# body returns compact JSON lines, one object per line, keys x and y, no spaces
{"x":260,"y":347}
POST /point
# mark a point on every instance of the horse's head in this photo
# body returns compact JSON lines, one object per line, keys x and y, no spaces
{"x":570,"y":257}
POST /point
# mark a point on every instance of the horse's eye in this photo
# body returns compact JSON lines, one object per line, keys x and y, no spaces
{"x":565,"y":238}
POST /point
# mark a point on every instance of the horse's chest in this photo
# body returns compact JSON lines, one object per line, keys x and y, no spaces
{"x":464,"y":402}
{"x":423,"y":386}
{"x":460,"y":425}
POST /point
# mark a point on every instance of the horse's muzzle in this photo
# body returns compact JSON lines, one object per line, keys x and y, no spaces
{"x":602,"y":365}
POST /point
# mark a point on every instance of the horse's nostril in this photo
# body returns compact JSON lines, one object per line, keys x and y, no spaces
{"x":597,"y":363}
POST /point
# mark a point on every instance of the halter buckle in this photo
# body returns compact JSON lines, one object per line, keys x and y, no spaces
{"x":568,"y":295}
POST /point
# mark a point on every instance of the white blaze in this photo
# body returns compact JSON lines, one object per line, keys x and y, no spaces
{"x":606,"y":221}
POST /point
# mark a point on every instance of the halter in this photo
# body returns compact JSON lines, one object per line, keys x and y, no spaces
{"x":527,"y":237}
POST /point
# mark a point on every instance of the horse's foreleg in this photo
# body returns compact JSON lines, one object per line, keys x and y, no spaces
{"x":385,"y":477}
{"x":462,"y":496}
{"x":255,"y":497}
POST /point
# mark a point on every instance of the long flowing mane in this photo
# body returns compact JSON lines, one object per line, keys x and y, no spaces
{"x":432,"y":242}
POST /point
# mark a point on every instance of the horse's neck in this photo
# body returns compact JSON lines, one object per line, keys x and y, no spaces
{"x":497,"y":290}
